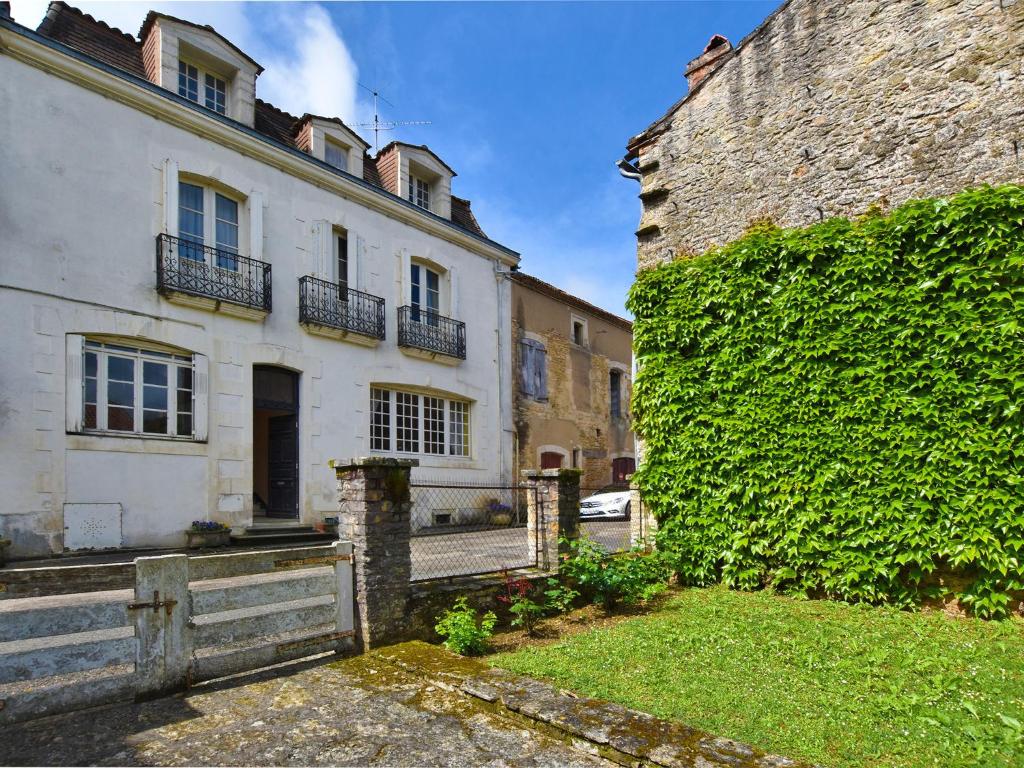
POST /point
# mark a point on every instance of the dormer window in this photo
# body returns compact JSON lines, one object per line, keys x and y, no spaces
{"x":335,"y":154}
{"x":214,"y":89}
{"x":419,"y":192}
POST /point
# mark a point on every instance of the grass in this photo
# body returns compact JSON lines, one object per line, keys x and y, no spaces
{"x":839,"y":685}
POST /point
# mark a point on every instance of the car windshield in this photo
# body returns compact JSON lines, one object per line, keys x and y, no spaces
{"x":615,"y":488}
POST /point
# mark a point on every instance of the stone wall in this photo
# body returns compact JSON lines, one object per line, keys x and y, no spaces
{"x":831,"y":107}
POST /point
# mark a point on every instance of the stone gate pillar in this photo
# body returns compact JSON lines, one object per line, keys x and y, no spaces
{"x":374,"y":514}
{"x":642,"y":525}
{"x":553,"y":510}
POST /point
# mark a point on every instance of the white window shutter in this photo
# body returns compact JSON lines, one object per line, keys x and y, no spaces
{"x":323,"y":250}
{"x":356,"y":265}
{"x":406,"y":283}
{"x":453,"y":287}
{"x":256,"y":225}
{"x":73,"y":393}
{"x":171,"y":197}
{"x":200,"y":396}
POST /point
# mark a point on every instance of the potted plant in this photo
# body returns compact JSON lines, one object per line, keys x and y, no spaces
{"x":498,"y":513}
{"x":208,"y":533}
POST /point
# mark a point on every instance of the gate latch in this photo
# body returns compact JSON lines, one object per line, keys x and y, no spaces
{"x":156,"y":604}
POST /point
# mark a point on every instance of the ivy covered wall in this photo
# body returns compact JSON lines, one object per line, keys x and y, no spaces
{"x":837,"y":410}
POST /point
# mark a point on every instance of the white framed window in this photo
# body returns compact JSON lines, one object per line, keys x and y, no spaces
{"x":202,"y":87}
{"x":335,"y":154}
{"x":206,"y":216}
{"x":121,"y":389}
{"x":427,"y":424}
{"x":425,"y":294}
{"x":419,"y":192}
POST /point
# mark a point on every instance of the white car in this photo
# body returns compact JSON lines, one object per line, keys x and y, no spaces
{"x":611,"y":503}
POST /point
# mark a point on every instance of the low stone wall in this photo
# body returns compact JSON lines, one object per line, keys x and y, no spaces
{"x":624,"y":736}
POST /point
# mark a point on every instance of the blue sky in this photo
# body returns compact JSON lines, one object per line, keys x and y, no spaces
{"x":531,"y":103}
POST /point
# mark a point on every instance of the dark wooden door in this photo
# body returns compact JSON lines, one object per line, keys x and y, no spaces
{"x":283,"y":451}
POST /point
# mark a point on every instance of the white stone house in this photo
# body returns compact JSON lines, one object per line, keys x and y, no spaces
{"x":206,"y":299}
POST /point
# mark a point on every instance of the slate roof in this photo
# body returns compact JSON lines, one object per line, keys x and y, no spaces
{"x":75,"y":29}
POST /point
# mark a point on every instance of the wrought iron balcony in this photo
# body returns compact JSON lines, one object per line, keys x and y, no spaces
{"x":427,"y":330}
{"x":188,"y":267}
{"x":326,"y":304}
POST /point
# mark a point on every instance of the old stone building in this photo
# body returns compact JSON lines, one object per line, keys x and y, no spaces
{"x":572,"y":364}
{"x":828,"y":108}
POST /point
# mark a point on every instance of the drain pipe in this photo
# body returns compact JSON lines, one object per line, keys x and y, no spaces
{"x":628,"y":170}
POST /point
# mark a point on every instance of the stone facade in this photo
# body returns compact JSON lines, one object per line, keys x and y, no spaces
{"x":571,"y":414}
{"x":831,"y":107}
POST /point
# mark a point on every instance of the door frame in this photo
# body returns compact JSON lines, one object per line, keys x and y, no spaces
{"x":289,"y":408}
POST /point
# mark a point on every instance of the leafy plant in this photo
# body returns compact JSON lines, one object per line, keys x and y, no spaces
{"x":836,"y":411}
{"x":559,"y":597}
{"x":208,"y":525}
{"x":609,"y":580}
{"x":525,"y":612}
{"x":463,"y":631}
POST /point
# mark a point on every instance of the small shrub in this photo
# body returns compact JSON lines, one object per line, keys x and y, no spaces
{"x":609,"y":580}
{"x":464,"y":634}
{"x":526,"y":614}
{"x":559,"y":597}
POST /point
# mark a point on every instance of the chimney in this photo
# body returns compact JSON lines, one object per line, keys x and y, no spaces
{"x":5,"y":9}
{"x":698,"y":69}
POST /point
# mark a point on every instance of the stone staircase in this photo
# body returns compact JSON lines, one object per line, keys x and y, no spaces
{"x":261,"y":533}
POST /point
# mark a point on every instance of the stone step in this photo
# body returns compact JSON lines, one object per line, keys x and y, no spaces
{"x":291,"y":535}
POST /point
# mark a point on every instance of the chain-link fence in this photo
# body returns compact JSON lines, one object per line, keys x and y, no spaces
{"x":606,"y":515}
{"x":464,"y":530}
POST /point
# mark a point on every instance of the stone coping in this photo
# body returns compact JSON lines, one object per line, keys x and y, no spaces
{"x":560,"y":473}
{"x":615,"y":732}
{"x":371,"y":461}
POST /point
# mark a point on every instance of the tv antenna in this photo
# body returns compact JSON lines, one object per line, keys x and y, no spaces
{"x":379,"y":125}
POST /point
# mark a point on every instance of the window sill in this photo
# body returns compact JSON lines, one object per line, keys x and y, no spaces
{"x":432,"y":460}
{"x":119,"y":442}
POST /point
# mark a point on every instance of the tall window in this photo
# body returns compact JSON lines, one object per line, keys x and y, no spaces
{"x":615,"y":393}
{"x":335,"y":154}
{"x":419,"y":192}
{"x":426,"y":294}
{"x":214,"y":92}
{"x":422,"y":423}
{"x":341,"y":245}
{"x":136,"y":391}
{"x":196,"y":227}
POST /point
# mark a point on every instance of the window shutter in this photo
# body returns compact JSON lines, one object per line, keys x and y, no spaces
{"x":171,"y":197}
{"x":256,"y":225}
{"x":73,"y":393}
{"x":200,"y":396}
{"x":355,"y":266}
{"x":406,"y":266}
{"x":540,"y":363}
{"x":323,"y":251}
{"x":453,"y":288}
{"x":526,"y":367}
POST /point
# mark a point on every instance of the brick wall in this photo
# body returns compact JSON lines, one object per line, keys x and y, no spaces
{"x":831,"y":107}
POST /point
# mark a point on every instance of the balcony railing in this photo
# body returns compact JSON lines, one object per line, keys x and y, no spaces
{"x":427,"y":330}
{"x":201,"y":270}
{"x":324,"y":303}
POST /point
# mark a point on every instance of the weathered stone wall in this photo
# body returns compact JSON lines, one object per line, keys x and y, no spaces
{"x":834,"y":106}
{"x":577,"y":411}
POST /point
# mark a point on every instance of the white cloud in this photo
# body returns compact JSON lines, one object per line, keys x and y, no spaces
{"x":307,"y":66}
{"x":316,"y":73}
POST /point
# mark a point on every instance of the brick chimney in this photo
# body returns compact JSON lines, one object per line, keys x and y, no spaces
{"x":698,"y":69}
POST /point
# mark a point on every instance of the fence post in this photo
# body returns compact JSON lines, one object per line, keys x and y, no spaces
{"x":375,"y":511}
{"x":345,"y":599}
{"x":161,"y":612}
{"x":553,"y":511}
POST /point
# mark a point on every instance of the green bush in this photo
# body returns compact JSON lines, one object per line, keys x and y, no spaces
{"x":463,"y":632}
{"x":559,"y":597}
{"x":836,"y":410}
{"x":612,"y":579}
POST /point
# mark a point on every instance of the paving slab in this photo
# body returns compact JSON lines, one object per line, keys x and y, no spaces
{"x":361,"y":711}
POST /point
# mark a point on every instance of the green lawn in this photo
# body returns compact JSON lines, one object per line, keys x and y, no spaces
{"x":840,"y":685}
